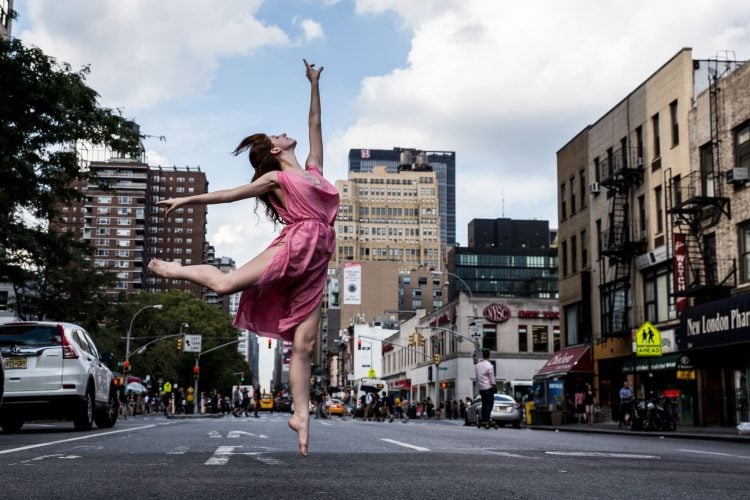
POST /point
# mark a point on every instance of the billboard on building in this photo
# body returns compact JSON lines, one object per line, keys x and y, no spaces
{"x":352,"y":283}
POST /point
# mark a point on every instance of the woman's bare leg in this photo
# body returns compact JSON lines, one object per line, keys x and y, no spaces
{"x":299,"y":377}
{"x":211,"y":277}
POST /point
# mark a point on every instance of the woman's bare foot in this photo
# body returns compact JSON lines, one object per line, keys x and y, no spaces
{"x":164,"y":269}
{"x":300,"y":426}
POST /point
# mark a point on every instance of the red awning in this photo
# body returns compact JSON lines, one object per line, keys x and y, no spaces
{"x":570,"y":359}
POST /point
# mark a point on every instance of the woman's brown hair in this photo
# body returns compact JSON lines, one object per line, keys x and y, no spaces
{"x":263,"y":161}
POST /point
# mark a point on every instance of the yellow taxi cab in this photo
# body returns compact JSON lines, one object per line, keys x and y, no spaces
{"x":337,"y":407}
{"x":266,"y":401}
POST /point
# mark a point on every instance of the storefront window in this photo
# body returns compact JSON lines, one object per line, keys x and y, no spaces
{"x":540,"y":335}
{"x":523,"y":339}
{"x":742,"y":391}
{"x":489,"y":339}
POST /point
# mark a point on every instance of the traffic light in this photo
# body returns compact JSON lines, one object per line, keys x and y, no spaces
{"x":269,"y":343}
{"x":411,"y":339}
{"x":242,"y":378}
{"x":359,"y":344}
{"x":437,"y":359}
{"x":180,"y":344}
{"x":443,"y":384}
{"x":421,"y":339}
{"x":125,"y":366}
{"x":196,"y":372}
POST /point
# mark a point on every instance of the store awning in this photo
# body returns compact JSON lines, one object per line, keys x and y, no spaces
{"x":661,"y":363}
{"x":576,"y":358}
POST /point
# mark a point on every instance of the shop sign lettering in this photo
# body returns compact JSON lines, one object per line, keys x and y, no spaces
{"x":717,"y":323}
{"x":497,"y":313}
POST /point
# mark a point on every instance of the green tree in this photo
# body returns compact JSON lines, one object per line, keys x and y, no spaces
{"x":160,"y":358}
{"x":45,"y":109}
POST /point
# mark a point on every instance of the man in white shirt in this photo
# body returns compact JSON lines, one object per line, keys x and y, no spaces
{"x":485,"y":377}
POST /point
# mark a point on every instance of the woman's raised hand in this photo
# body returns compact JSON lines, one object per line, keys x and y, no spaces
{"x":312,"y":74}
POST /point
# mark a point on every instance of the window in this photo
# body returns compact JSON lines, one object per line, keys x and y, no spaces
{"x":659,"y":210}
{"x":582,"y":187}
{"x":573,"y":196}
{"x":744,"y":238}
{"x":597,"y":172}
{"x":563,"y":202}
{"x":573,"y":254}
{"x":657,"y":294}
{"x":523,"y":338}
{"x":642,"y":215}
{"x":707,"y":169}
{"x":656,"y":138}
{"x":674,"y":125}
{"x":540,"y":336}
{"x":564,"y":246}
{"x":584,"y":250}
{"x":742,"y":146}
{"x":556,"y":338}
{"x":639,"y":145}
{"x":572,"y":315}
{"x":598,"y":225}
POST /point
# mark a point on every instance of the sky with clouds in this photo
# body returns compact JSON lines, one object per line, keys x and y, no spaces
{"x":504,"y":84}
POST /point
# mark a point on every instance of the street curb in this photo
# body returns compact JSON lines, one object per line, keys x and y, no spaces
{"x":190,"y":417}
{"x":670,"y":435}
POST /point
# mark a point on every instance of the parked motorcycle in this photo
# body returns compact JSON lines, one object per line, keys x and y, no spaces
{"x":654,"y":415}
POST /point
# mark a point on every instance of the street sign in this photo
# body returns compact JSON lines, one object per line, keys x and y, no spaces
{"x":475,"y":329}
{"x":648,"y":340}
{"x":192,"y":343}
{"x":443,"y":368}
{"x":167,"y":387}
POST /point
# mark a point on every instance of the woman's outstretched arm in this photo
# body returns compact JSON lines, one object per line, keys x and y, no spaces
{"x":315,"y":129}
{"x":261,"y":185}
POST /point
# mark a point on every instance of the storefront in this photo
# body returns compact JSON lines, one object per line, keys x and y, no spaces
{"x":555,"y":385}
{"x":671,"y":376}
{"x":716,"y":336}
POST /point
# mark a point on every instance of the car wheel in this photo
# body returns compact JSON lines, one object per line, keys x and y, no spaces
{"x":479,"y":423}
{"x":83,"y":419}
{"x":466,"y":419}
{"x":11,"y":422}
{"x":107,"y":417}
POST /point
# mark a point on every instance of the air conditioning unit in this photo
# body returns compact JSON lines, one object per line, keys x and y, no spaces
{"x":738,"y":174}
{"x":594,"y":188}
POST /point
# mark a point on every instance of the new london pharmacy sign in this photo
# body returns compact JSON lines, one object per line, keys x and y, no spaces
{"x":716,"y":323}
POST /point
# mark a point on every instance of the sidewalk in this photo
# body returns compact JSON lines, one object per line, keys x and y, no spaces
{"x":682,"y":432}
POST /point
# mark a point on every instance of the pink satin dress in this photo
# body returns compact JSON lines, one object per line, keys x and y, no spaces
{"x":292,"y":286}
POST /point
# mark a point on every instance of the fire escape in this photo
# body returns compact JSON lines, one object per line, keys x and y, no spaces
{"x":696,"y":205}
{"x":621,"y":241}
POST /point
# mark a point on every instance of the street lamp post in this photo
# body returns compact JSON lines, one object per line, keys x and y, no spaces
{"x":130,"y":331}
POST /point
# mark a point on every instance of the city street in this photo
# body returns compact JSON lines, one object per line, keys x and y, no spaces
{"x":154,"y":457}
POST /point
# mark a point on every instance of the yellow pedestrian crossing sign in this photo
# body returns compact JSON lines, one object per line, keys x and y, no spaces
{"x":647,"y":340}
{"x":371,"y":373}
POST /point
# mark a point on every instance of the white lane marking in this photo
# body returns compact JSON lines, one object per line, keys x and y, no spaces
{"x":214,"y":434}
{"x":39,"y":445}
{"x":179,"y":450}
{"x":600,"y":454}
{"x":223,"y":453}
{"x":325,"y":423}
{"x":716,"y":453}
{"x":506,"y":454}
{"x":405,"y":445}
{"x":71,"y":456}
{"x":236,"y":434}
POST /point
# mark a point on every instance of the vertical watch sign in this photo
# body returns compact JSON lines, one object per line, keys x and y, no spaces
{"x":352,"y":283}
{"x":680,"y":270}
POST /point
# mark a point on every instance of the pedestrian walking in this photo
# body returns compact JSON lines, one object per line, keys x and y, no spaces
{"x":589,"y":400}
{"x":281,"y":287}
{"x":627,"y":398}
{"x":256,"y":400}
{"x":485,"y":377}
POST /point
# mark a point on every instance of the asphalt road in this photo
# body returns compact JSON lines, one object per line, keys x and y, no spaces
{"x":152,"y":457}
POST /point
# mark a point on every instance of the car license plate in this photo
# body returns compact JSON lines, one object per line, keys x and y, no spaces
{"x":15,"y":363}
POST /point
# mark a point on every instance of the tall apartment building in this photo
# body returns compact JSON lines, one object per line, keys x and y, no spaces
{"x":443,"y":163}
{"x":659,"y":234}
{"x":389,"y":216}
{"x":119,"y":218}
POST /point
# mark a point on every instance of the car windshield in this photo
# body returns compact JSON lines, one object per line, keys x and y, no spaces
{"x":29,"y":335}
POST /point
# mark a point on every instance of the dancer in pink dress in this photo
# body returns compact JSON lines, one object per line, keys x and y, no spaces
{"x":282,"y":287}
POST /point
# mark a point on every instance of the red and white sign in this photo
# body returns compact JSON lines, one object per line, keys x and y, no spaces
{"x":680,"y":270}
{"x":497,"y":313}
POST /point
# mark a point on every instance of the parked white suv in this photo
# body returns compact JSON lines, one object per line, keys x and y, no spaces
{"x":53,"y":370}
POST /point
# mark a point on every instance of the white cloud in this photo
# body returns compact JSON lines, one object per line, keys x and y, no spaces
{"x":242,"y":235}
{"x":506,"y":84}
{"x":311,"y":30}
{"x":143,"y":52}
